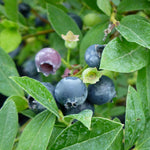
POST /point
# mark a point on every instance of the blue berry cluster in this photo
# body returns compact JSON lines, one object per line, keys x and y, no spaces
{"x":71,"y":94}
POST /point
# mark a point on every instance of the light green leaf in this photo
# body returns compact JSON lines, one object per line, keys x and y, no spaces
{"x":7,"y":69}
{"x":84,"y":117}
{"x":38,"y":91}
{"x":93,"y":36}
{"x":135,"y":119}
{"x":9,"y":39}
{"x":105,"y":6}
{"x":21,"y":102}
{"x":37,"y":133}
{"x":11,"y":9}
{"x":8,"y":125}
{"x":61,"y":22}
{"x":131,"y":28}
{"x":101,"y":136}
{"x":131,"y":5}
{"x":122,"y":56}
{"x":143,"y":142}
{"x":143,"y":88}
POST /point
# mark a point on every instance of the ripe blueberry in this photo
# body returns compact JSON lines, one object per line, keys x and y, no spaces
{"x":24,"y":9}
{"x":77,"y":20}
{"x":35,"y":105}
{"x":70,"y":92}
{"x":79,"y":108}
{"x":93,"y":55}
{"x":47,"y":61}
{"x":102,"y":91}
{"x":29,"y":68}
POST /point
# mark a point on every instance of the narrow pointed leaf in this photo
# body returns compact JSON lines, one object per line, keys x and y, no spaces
{"x":105,"y":6}
{"x":8,"y":125}
{"x":101,"y":136}
{"x":135,"y":119}
{"x":11,"y":9}
{"x":122,"y":56}
{"x":84,"y":117}
{"x":61,"y":22}
{"x":131,"y":28}
{"x":39,"y":92}
{"x":7,"y":69}
{"x":37,"y":133}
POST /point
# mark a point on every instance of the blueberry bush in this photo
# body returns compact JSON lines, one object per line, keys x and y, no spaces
{"x":74,"y":74}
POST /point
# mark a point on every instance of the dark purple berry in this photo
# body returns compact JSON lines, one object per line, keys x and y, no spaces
{"x":102,"y":91}
{"x":93,"y":55}
{"x":70,"y":92}
{"x":24,"y":9}
{"x":47,"y":61}
{"x":29,"y":68}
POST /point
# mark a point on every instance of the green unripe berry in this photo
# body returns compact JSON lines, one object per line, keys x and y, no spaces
{"x":91,"y":19}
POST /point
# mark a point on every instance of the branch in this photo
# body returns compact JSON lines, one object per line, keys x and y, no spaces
{"x":38,"y":33}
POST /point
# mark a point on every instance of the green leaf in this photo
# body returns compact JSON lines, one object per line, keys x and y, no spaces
{"x":61,"y":22}
{"x":9,"y":39}
{"x":28,"y":113}
{"x":53,"y":1}
{"x":21,"y":102}
{"x":8,"y":125}
{"x":116,"y":2}
{"x":37,"y":133}
{"x":93,"y":36}
{"x":131,"y":5}
{"x":92,"y":4}
{"x":2,"y":10}
{"x":143,"y":142}
{"x":39,"y":92}
{"x":105,"y":6}
{"x":131,"y":28}
{"x":84,"y":117}
{"x":56,"y":131}
{"x":135,"y":119}
{"x":7,"y":69}
{"x":11,"y":9}
{"x":143,"y":88}
{"x":116,"y":111}
{"x":101,"y":136}
{"x":122,"y":56}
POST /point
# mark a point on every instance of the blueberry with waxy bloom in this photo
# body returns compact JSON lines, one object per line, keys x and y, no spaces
{"x":47,"y":61}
